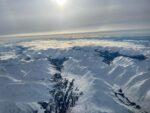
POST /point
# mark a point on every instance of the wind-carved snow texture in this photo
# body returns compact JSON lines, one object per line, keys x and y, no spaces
{"x":105,"y":76}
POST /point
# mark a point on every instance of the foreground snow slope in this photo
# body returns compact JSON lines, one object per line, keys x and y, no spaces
{"x":114,"y":75}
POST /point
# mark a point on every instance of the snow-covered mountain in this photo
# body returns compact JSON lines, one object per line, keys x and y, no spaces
{"x":112,"y":73}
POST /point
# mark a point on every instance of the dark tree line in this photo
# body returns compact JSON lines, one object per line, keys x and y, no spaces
{"x":64,"y":95}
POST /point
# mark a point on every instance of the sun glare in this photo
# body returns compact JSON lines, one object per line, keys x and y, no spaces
{"x":61,"y":2}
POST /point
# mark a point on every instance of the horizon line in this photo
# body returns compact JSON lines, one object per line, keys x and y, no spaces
{"x":77,"y":32}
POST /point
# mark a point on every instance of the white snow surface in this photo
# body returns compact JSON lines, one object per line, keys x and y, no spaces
{"x":25,"y":73}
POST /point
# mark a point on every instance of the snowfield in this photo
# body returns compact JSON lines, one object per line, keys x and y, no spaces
{"x":112,"y":73}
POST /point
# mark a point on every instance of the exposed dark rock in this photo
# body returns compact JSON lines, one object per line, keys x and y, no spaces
{"x":27,"y":58}
{"x":138,"y":57}
{"x":125,"y":100}
{"x":76,"y":48}
{"x":43,"y":104}
{"x":110,"y":56}
{"x":57,"y":62}
{"x":138,"y":107}
{"x":20,"y":49}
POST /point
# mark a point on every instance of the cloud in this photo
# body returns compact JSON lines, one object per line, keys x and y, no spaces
{"x":26,"y":16}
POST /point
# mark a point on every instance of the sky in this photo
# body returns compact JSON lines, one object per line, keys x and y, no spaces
{"x":48,"y":16}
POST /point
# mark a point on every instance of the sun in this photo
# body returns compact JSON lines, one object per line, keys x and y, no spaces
{"x":61,"y":2}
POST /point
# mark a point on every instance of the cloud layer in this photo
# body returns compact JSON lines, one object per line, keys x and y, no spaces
{"x":27,"y":16}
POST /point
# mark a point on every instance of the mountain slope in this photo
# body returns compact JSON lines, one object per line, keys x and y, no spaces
{"x":112,"y":74}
